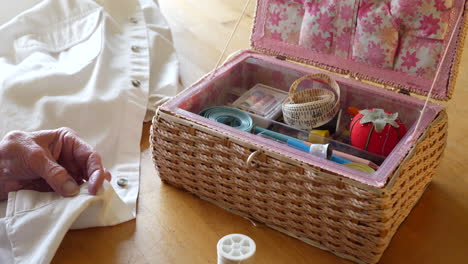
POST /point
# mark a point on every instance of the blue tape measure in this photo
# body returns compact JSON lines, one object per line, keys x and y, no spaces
{"x":229,"y":116}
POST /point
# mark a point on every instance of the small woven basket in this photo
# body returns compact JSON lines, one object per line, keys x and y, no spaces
{"x":311,"y":108}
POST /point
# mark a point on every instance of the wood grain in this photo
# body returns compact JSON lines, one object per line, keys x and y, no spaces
{"x":176,"y":227}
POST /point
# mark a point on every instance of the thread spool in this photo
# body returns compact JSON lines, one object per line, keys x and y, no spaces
{"x":236,"y":249}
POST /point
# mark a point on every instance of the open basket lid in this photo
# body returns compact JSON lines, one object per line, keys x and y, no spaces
{"x":396,"y":43}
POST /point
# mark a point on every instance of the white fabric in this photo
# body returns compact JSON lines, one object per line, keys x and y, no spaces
{"x":71,"y":63}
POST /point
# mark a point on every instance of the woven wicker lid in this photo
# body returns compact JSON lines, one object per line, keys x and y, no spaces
{"x":404,"y":53}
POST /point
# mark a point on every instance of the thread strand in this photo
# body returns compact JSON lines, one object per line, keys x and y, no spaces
{"x":439,"y":68}
{"x":236,"y":27}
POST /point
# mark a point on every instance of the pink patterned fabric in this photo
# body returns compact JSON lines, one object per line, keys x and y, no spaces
{"x":319,"y":25}
{"x":379,"y":38}
{"x":425,"y":24}
{"x":422,"y":18}
{"x":376,"y":38}
{"x":327,"y":26}
{"x":380,"y":33}
{"x":284,"y":20}
{"x":418,"y":56}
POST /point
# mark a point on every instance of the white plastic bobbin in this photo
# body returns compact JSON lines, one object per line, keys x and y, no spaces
{"x":236,"y":249}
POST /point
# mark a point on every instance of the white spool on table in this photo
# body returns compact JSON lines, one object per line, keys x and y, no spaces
{"x":236,"y":249}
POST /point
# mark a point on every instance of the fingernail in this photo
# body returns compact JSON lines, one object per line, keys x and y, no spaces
{"x":93,"y":186}
{"x":108,"y":175}
{"x":94,"y":177}
{"x":70,"y":188}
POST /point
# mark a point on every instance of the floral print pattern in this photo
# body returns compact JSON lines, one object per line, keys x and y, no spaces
{"x":418,"y":56}
{"x":326,"y":26}
{"x":423,"y":18}
{"x":376,"y":38}
{"x":318,"y":26}
{"x":403,"y":35}
{"x":284,"y":20}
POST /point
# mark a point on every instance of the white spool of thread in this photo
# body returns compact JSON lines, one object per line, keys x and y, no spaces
{"x":236,"y":249}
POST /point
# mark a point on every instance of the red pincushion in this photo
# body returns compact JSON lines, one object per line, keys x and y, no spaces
{"x":381,"y":143}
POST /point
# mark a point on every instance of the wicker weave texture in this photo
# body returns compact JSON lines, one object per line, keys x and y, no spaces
{"x":350,"y":220}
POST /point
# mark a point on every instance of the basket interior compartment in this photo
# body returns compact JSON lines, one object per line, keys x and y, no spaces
{"x":226,"y":85}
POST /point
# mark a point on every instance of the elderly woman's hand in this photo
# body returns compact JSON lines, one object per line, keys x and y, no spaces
{"x":49,"y":160}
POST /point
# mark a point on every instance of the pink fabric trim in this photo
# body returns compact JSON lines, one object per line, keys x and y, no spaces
{"x":415,"y":84}
{"x":377,"y":179}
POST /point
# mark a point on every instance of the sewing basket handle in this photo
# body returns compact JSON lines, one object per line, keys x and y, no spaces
{"x":318,"y":77}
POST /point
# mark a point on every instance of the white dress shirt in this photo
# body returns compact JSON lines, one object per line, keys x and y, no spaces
{"x":96,"y":66}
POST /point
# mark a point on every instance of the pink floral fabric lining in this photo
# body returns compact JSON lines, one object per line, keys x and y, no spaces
{"x":418,"y":56}
{"x":422,"y":18}
{"x":284,"y":20}
{"x":327,"y":26}
{"x":376,"y":38}
{"x":403,"y":35}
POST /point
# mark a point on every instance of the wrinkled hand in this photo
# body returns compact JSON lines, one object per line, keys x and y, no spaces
{"x":49,"y":160}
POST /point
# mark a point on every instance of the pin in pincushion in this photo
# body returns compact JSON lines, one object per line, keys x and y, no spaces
{"x":376,"y":131}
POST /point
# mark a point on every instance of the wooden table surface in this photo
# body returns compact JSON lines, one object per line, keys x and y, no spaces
{"x":175,"y":227}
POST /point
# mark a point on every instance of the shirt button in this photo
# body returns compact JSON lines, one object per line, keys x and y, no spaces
{"x":135,"y":48}
{"x":133,"y":20}
{"x":122,"y":182}
{"x":136,"y":83}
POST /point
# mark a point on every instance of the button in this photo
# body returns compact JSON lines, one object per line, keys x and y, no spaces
{"x":122,"y":182}
{"x":136,"y":83}
{"x":135,"y":48}
{"x":133,"y":20}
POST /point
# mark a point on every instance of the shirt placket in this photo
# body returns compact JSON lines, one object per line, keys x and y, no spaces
{"x":138,"y":50}
{"x":138,"y":54}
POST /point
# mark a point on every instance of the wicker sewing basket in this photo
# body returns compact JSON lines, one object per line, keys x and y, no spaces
{"x":333,"y":211}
